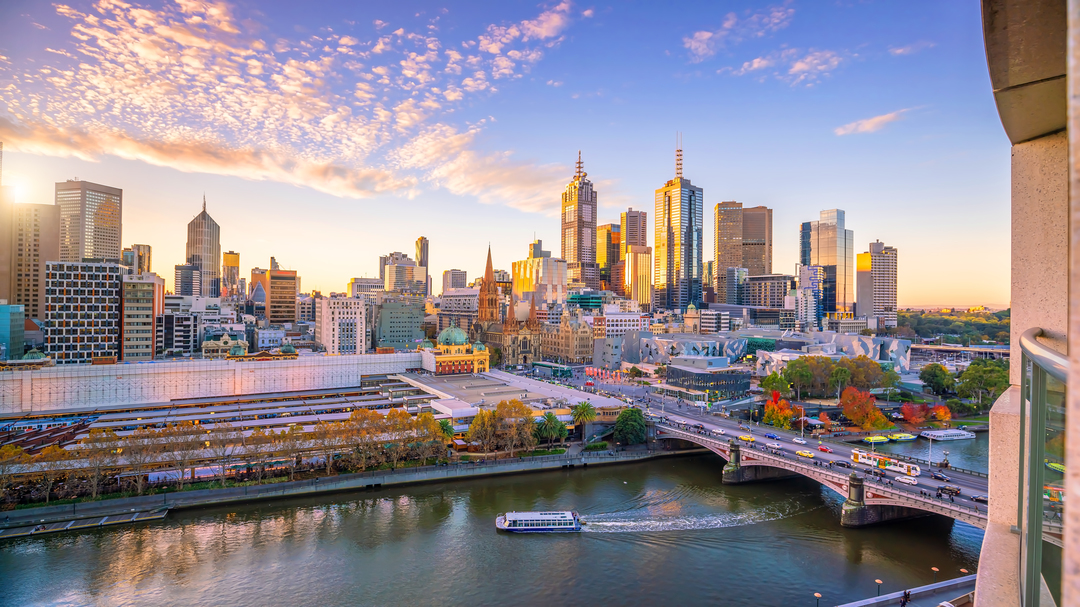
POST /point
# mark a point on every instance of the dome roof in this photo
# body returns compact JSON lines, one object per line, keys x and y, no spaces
{"x":34,"y":354}
{"x":453,"y":336}
{"x":426,"y":344}
{"x":691,"y":308}
{"x":237,"y":350}
{"x":288,"y":349}
{"x":479,"y":347}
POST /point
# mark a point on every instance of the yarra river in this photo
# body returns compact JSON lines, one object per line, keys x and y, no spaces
{"x":659,"y":532}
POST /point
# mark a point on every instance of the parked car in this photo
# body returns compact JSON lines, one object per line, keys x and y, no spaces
{"x":940,"y":476}
{"x":825,"y":448}
{"x":907,"y":480}
{"x":949,"y":489}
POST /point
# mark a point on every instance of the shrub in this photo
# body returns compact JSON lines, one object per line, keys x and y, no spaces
{"x":600,"y":446}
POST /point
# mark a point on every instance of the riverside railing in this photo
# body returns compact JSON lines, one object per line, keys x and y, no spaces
{"x":1042,"y":445}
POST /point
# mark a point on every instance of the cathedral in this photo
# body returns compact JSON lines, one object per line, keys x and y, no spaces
{"x":518,"y":342}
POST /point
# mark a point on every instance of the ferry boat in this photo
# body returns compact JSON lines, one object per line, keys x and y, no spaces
{"x":875,"y":439}
{"x":1056,"y":467}
{"x":947,"y":434}
{"x":565,"y":521}
{"x":901,"y":437}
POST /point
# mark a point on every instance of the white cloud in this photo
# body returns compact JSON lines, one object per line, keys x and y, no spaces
{"x":870,"y":125}
{"x":703,"y":44}
{"x":588,"y":13}
{"x":792,"y":65}
{"x":911,"y":49}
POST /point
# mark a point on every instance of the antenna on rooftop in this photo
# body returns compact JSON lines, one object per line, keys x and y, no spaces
{"x":678,"y":155}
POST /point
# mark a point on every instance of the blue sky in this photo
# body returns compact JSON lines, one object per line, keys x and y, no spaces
{"x":327,"y":133}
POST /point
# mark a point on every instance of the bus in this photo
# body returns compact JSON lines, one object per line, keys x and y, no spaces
{"x":887,"y":463}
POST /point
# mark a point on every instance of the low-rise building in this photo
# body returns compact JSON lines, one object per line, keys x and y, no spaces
{"x":221,"y":344}
{"x":570,"y":341}
{"x":142,"y":302}
{"x":82,"y":311}
{"x":455,"y":355}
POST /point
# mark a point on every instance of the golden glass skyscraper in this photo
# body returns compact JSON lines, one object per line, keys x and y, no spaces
{"x":677,"y":258}
{"x":230,"y":274}
{"x":579,"y":230}
{"x":828,"y":244}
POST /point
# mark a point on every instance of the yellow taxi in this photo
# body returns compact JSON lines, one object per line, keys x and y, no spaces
{"x":806,"y":454}
{"x":747,"y":438}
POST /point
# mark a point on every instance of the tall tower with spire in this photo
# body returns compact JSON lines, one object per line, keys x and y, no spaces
{"x":677,"y":257}
{"x":488,"y":304}
{"x":204,"y":251}
{"x":579,"y":230}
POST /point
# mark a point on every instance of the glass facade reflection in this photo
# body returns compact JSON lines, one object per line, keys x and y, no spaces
{"x":204,"y":252}
{"x":826,"y":243}
{"x":678,"y":249}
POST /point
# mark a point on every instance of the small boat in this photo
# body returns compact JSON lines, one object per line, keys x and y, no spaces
{"x":947,"y":434}
{"x":875,"y":439}
{"x":1056,"y":467}
{"x":901,"y":437}
{"x":565,"y":521}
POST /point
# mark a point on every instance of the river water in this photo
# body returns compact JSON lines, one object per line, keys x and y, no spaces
{"x":970,"y":454}
{"x":659,"y":532}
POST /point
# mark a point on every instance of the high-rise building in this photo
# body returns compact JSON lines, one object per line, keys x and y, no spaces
{"x":677,"y":256}
{"x":808,"y":298}
{"x":540,"y":276}
{"x":405,"y":276}
{"x":827,"y":243}
{"x":768,"y":291}
{"x":230,"y":275}
{"x":579,"y":230}
{"x":757,"y":240}
{"x":136,"y":258}
{"x":365,"y":286}
{"x":90,"y":220}
{"x":422,"y":261}
{"x":12,"y":331}
{"x":392,"y":258}
{"x":187,"y":280}
{"x":204,"y":251}
{"x":633,"y":230}
{"x":877,"y":284}
{"x":281,"y":297}
{"x":608,"y":247}
{"x":399,"y":325}
{"x":82,"y":311}
{"x":142,"y":301}
{"x":727,"y":244}
{"x":454,"y":279}
{"x":735,"y":291}
{"x":339,"y":325}
{"x":29,"y":237}
{"x":638,"y":275}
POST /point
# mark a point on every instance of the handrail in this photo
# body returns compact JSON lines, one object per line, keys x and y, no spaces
{"x":1048,"y":359}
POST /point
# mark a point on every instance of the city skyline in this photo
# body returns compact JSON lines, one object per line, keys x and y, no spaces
{"x":845,"y":146}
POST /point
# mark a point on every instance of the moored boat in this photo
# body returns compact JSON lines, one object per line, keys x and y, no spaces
{"x":951,"y":434}
{"x":901,"y":437}
{"x":875,"y":439}
{"x":565,"y":521}
{"x":1056,"y":467}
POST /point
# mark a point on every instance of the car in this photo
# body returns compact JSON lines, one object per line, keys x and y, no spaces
{"x":842,"y":463}
{"x":824,"y":448}
{"x":940,"y":476}
{"x":803,"y":453}
{"x":798,"y":441}
{"x":771,"y":435}
{"x":719,"y":431}
{"x":949,"y":489}
{"x":982,"y":499}
{"x":907,"y":480}
{"x":774,"y":446}
{"x":747,"y":438}
{"x":697,"y":426}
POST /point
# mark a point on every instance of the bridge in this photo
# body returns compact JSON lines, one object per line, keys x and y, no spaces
{"x":866,"y":502}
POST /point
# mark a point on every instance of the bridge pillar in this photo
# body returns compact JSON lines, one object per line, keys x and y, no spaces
{"x":735,"y":473}
{"x":856,"y":513}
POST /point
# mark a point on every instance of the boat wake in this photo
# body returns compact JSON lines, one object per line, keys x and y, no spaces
{"x":641,"y":521}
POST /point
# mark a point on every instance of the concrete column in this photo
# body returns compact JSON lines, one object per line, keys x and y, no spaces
{"x":855,"y":512}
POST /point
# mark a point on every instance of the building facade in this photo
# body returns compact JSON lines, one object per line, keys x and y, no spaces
{"x":541,"y":276}
{"x":827,"y":243}
{"x":633,"y":230}
{"x":230,"y":275}
{"x":398,"y":325}
{"x":454,"y":279}
{"x":569,"y":341}
{"x":423,"y":261}
{"x":638,"y":275}
{"x":608,"y":247}
{"x":204,"y":251}
{"x":82,"y":311}
{"x":90,"y":221}
{"x":339,"y":325}
{"x":142,"y":302}
{"x":579,"y":231}
{"x":809,"y":311}
{"x":12,"y":331}
{"x":727,"y":244}
{"x":768,"y":291}
{"x":677,"y":255}
{"x":876,"y":284}
{"x":455,"y":355}
{"x":757,"y":242}
{"x":187,"y":280}
{"x":176,"y":334}
{"x":459,"y":308}
{"x":34,"y":240}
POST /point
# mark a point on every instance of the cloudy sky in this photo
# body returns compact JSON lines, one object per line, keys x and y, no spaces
{"x":328,"y":133}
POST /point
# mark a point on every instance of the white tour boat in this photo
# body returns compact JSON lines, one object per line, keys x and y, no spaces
{"x":952,"y":434}
{"x":565,"y":521}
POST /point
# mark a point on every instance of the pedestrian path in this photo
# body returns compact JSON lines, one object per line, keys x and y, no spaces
{"x":930,"y":595}
{"x":83,"y":523}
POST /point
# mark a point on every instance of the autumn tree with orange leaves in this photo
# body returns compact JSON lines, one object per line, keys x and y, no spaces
{"x":942,"y":413}
{"x":861,"y":408}
{"x":778,"y":412}
{"x":915,"y":414}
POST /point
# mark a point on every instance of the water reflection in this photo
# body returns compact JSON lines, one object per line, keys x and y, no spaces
{"x":660,"y":532}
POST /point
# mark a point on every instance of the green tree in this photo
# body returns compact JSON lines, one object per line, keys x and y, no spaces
{"x":937,"y":378}
{"x":447,"y":428}
{"x":496,"y":357}
{"x":839,"y":378}
{"x":583,"y":414}
{"x":798,"y":374}
{"x":983,"y":378}
{"x":890,"y":381}
{"x":630,"y":427}
{"x":634,"y":372}
{"x":11,"y":457}
{"x":774,"y":382}
{"x":484,"y":429}
{"x":551,"y":428}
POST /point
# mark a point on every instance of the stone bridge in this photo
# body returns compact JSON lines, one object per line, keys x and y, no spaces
{"x":865,"y":504}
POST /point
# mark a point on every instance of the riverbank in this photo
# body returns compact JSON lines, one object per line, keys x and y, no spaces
{"x":52,"y":519}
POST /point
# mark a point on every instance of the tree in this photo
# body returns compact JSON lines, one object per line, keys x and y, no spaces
{"x":914,"y":414}
{"x":484,"y":429}
{"x":447,"y":428}
{"x":224,"y":442}
{"x":942,"y":413}
{"x":774,"y":382}
{"x":798,"y":374}
{"x":937,"y":378}
{"x":583,"y":414}
{"x":510,"y":414}
{"x":51,"y":462}
{"x":634,"y":372}
{"x":983,"y":378}
{"x":366,"y":429}
{"x":11,"y":457}
{"x":890,"y":381}
{"x":861,"y":409}
{"x":661,"y":371}
{"x":98,"y":450}
{"x":551,"y":428}
{"x":330,"y":437}
{"x":630,"y":427}
{"x":257,"y":446}
{"x":823,"y":417}
{"x":139,"y":449}
{"x":399,"y":431}
{"x":185,"y":442}
{"x":429,"y":437}
{"x":777,"y":412}
{"x":839,"y":378}
{"x":496,"y":357}
{"x":290,"y":443}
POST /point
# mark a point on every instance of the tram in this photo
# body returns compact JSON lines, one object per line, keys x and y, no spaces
{"x":887,"y":463}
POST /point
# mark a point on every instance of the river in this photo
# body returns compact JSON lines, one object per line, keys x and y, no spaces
{"x":659,"y":532}
{"x":971,"y":454}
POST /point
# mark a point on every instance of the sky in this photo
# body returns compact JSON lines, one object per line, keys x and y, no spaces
{"x":326,"y":134}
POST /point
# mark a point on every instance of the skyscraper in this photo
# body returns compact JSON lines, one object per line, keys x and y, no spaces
{"x":579,"y":230}
{"x":187,"y":280}
{"x":142,"y":301}
{"x":454,"y":279}
{"x":828,"y":244}
{"x":540,"y":277}
{"x":808,"y":298}
{"x":677,"y":257}
{"x":79,"y":332}
{"x":876,"y":283}
{"x":90,"y":220}
{"x":638,"y":271}
{"x":29,"y":237}
{"x":757,"y":240}
{"x":608,"y":245}
{"x":633,"y":230}
{"x":727,"y":244}
{"x":422,"y":260}
{"x":230,"y":275}
{"x":137,"y":257}
{"x":204,"y":251}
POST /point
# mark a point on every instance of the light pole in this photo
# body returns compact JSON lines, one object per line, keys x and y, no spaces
{"x":878,"y":582}
{"x":817,"y":595}
{"x":935,"y":570}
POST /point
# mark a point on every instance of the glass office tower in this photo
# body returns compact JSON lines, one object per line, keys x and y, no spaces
{"x":828,"y":244}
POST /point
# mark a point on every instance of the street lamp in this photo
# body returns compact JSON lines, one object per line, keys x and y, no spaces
{"x":817,"y":595}
{"x":935,"y":570}
{"x":878,"y":582}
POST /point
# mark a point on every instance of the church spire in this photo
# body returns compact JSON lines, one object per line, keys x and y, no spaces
{"x":489,"y":274}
